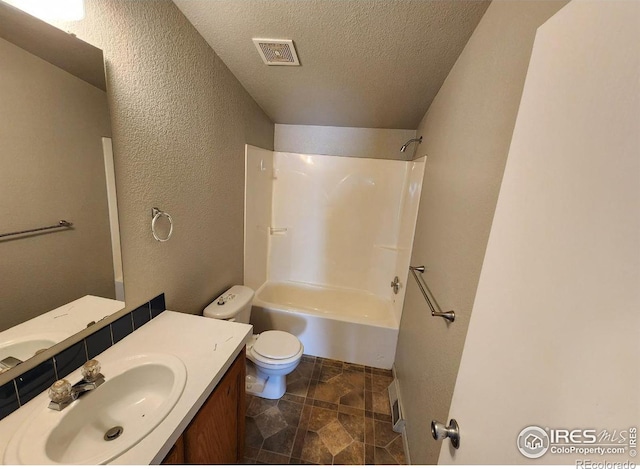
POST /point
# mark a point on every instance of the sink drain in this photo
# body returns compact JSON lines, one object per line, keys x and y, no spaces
{"x":113,"y":433}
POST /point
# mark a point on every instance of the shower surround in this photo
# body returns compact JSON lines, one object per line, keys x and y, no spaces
{"x":324,"y":238}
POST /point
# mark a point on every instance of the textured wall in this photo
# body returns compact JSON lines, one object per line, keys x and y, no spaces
{"x":180,"y":122}
{"x":343,"y":141}
{"x":51,"y":129}
{"x":467,"y":132}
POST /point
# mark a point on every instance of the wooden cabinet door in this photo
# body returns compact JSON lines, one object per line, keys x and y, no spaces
{"x":176,"y":455}
{"x":216,"y":434}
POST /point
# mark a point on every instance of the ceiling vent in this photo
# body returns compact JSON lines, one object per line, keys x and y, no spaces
{"x":277,"y":51}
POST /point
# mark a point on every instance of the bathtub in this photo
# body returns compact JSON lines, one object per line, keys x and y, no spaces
{"x":349,"y":325}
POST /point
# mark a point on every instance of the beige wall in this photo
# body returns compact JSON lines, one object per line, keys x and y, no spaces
{"x":343,"y":141}
{"x":467,"y":132}
{"x":562,"y":266}
{"x":180,"y":122}
{"x":51,"y":125}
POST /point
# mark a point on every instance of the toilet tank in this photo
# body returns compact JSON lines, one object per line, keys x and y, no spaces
{"x":232,"y":305}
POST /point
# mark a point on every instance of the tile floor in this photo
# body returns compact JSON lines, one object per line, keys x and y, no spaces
{"x":332,"y":413}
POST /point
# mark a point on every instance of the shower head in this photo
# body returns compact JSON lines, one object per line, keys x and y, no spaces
{"x":403,"y":148}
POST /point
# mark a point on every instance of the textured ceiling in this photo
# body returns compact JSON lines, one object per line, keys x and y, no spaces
{"x":365,"y":63}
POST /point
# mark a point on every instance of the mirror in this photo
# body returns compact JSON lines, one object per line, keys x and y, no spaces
{"x":57,"y":164}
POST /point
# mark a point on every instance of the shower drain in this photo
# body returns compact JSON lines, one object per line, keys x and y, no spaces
{"x":113,"y":433}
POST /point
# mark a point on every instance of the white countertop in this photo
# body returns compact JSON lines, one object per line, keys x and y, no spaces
{"x":207,"y":347}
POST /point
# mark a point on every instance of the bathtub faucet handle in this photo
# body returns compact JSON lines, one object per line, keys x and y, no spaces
{"x":395,"y":284}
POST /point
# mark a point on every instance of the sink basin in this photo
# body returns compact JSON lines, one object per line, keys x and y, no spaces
{"x":139,"y":392}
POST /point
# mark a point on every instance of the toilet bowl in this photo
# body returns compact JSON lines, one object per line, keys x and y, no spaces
{"x":271,"y":355}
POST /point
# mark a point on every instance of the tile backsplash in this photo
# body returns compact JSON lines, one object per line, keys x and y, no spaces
{"x":31,"y":383}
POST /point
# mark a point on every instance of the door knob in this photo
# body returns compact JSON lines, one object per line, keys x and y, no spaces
{"x":440,"y":431}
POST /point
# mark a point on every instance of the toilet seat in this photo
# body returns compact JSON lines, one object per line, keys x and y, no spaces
{"x":277,"y":348}
{"x":277,"y":345}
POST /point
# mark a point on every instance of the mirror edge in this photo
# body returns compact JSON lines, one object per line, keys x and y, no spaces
{"x":20,"y":28}
{"x":49,"y":353}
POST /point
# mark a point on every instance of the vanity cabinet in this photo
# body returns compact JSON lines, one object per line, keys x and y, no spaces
{"x":176,"y":455}
{"x":216,"y":433}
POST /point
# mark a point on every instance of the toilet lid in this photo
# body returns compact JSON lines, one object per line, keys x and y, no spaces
{"x":277,"y":345}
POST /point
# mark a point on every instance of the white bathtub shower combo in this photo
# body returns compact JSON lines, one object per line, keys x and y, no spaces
{"x":324,"y":238}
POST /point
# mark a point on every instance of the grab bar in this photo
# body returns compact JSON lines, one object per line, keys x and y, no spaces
{"x":61,"y":224}
{"x":449,"y":315}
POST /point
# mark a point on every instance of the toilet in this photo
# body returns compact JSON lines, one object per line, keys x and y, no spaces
{"x":271,"y":355}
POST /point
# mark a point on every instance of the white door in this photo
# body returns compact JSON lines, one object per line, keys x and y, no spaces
{"x":554,"y":338}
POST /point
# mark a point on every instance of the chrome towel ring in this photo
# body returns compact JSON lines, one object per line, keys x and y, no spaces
{"x":156,"y":213}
